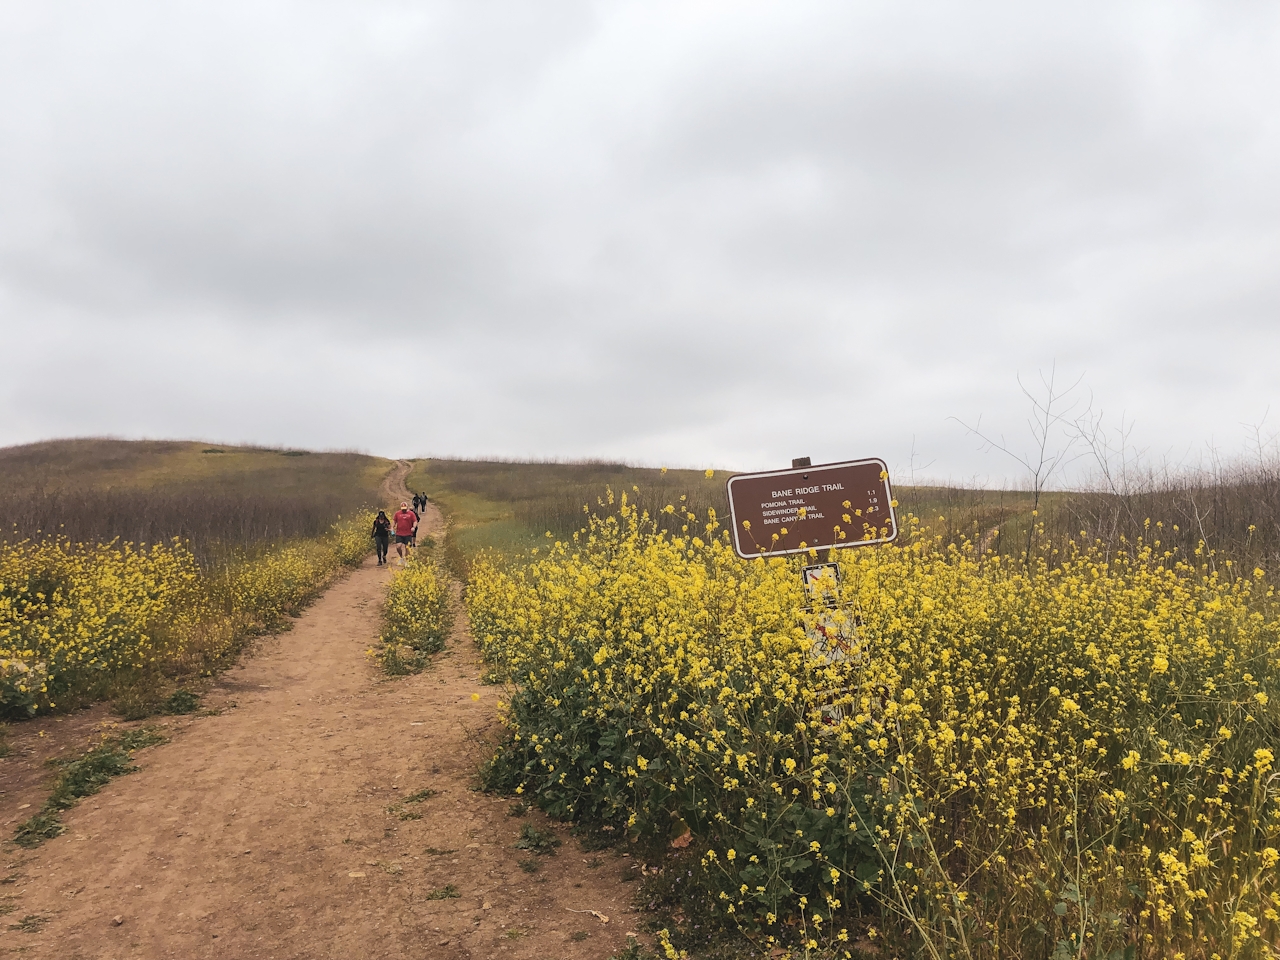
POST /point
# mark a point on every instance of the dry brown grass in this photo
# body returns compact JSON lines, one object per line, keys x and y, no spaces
{"x":1234,"y":511}
{"x":216,"y":498}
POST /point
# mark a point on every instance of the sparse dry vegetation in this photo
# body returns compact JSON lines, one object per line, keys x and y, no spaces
{"x":219,"y":501}
{"x":1234,"y":511}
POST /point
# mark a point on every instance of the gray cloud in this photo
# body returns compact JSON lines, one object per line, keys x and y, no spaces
{"x":686,"y":233}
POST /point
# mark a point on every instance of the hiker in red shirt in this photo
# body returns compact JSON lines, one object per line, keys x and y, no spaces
{"x":405,"y":522}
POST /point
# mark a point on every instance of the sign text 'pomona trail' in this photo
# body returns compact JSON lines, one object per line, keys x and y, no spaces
{"x":812,"y":508}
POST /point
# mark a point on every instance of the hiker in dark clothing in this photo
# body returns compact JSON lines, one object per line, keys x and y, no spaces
{"x":382,"y":536}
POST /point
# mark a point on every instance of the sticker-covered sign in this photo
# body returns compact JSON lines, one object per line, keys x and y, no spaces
{"x":812,"y":508}
{"x":821,"y":584}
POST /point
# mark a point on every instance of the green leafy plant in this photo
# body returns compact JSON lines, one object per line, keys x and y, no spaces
{"x":633,"y":951}
{"x":35,"y":830}
{"x":537,"y":841}
{"x":182,"y":702}
{"x":84,"y":777}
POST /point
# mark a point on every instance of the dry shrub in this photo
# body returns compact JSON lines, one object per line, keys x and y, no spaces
{"x":1231,"y":513}
{"x":219,"y":504}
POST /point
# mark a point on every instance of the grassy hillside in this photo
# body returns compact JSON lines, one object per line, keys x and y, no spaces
{"x":214,"y":497}
{"x":511,"y":506}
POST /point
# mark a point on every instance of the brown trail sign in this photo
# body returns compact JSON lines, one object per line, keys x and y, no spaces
{"x":833,"y":505}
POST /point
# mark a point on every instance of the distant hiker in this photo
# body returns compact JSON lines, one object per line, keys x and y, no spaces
{"x":405,"y":522}
{"x":381,"y":535}
{"x":417,"y":519}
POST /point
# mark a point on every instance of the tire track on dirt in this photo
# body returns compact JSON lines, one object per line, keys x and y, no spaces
{"x":274,"y":828}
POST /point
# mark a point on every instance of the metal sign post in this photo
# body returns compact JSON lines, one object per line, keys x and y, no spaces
{"x":827,"y":507}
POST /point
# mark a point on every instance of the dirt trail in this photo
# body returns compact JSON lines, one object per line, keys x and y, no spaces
{"x":274,"y":829}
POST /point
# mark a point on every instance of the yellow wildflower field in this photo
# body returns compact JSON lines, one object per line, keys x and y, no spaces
{"x":78,"y":620}
{"x":415,"y":615}
{"x":1071,"y":755}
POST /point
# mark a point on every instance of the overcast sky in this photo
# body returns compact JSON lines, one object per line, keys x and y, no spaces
{"x":690,"y":233}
